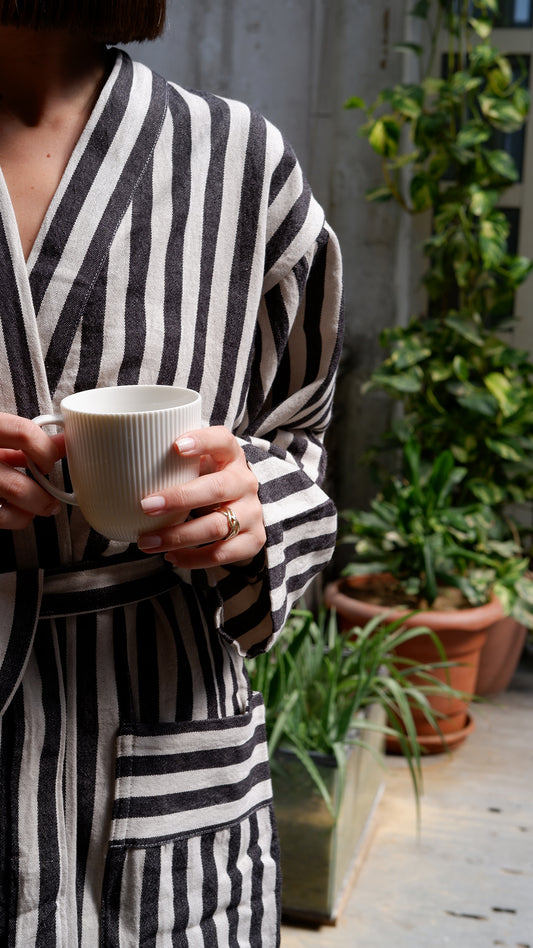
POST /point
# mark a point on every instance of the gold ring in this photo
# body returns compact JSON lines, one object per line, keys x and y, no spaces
{"x":233,"y":524}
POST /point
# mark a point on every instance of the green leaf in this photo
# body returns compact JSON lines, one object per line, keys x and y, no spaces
{"x":410,"y":381}
{"x":409,"y":48}
{"x":503,"y":449}
{"x":507,"y":396}
{"x":410,"y":351}
{"x":483,"y":202}
{"x":355,"y":102}
{"x":422,"y":192}
{"x":479,"y":403}
{"x":482,"y":27}
{"x":465,"y":327}
{"x":503,"y":114}
{"x":503,"y":164}
{"x":474,"y":133}
{"x":384,"y":136}
{"x":379,"y":194}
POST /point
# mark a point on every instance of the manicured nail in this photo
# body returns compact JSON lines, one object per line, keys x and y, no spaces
{"x":149,"y":542}
{"x":153,"y":505}
{"x":184,"y":445}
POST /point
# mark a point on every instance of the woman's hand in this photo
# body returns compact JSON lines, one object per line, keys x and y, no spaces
{"x":21,"y":498}
{"x":225,"y":481}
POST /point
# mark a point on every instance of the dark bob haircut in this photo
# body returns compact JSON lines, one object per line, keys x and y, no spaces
{"x":109,"y":21}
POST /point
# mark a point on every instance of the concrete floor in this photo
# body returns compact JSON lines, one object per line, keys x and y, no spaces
{"x":466,"y":879}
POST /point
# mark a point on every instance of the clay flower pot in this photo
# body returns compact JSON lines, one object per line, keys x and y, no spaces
{"x":462,"y":632}
{"x":500,"y":656}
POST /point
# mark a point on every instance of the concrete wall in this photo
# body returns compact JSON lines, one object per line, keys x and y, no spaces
{"x":297,"y":61}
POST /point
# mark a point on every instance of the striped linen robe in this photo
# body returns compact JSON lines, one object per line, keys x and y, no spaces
{"x":182,"y":247}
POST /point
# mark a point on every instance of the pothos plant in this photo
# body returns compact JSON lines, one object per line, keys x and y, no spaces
{"x":461,"y":385}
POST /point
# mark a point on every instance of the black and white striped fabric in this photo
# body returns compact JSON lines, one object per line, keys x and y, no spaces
{"x":182,"y":247}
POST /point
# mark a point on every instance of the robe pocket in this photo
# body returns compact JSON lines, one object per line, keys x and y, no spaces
{"x":179,"y":780}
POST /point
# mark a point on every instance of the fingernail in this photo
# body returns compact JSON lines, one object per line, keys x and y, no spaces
{"x":152,"y":505}
{"x":185,"y":444}
{"x":149,"y":542}
{"x":54,"y":510}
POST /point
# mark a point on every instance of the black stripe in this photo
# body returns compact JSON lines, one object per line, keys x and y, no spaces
{"x":147,"y":663}
{"x":235,"y":876}
{"x":185,"y":675}
{"x":149,"y":908}
{"x":285,"y":166}
{"x":167,"y":803}
{"x":288,"y":229}
{"x":108,"y":597}
{"x":122,"y":671}
{"x":198,"y":622}
{"x":255,"y":853}
{"x":15,"y":337}
{"x":111,"y":889}
{"x":92,"y":337}
{"x":181,"y":188}
{"x":220,"y":125}
{"x":244,"y":249}
{"x":25,"y":610}
{"x":180,"y":865}
{"x":87,"y":748}
{"x":250,"y":618}
{"x":135,"y":312}
{"x":209,"y":891}
{"x":150,"y":765}
{"x":314,"y":301}
{"x":47,"y":827}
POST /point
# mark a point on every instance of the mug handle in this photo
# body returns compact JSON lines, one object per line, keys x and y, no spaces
{"x":56,"y":492}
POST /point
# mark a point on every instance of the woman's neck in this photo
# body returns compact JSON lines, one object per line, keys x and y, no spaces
{"x":43,"y":73}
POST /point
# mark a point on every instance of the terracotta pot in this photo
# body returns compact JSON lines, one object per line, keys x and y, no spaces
{"x":500,"y":656}
{"x":462,"y":632}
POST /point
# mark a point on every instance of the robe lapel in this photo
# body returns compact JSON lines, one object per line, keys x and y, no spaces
{"x":25,"y":389}
{"x":106,"y":167}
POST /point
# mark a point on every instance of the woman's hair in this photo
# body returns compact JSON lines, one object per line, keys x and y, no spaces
{"x":110,"y":21}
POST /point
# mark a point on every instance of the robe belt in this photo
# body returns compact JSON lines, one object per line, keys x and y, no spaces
{"x":78,"y":590}
{"x":29,"y":595}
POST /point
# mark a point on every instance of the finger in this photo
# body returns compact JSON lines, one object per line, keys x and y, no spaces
{"x":20,"y":434}
{"x":11,"y":518}
{"x":240,"y":550}
{"x":211,"y":528}
{"x":22,"y":493}
{"x":217,"y":441}
{"x":225,"y":486}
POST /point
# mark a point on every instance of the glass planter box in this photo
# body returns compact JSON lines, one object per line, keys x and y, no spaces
{"x":319,"y":854}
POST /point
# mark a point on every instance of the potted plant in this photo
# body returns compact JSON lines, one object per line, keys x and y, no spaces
{"x":330,"y":702}
{"x":417,"y":550}
{"x":461,"y":389}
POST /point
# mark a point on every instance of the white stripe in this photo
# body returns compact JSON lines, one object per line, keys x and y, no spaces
{"x":177,"y":825}
{"x":190,"y":780}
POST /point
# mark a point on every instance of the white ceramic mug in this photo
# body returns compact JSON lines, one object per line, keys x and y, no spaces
{"x":119,"y":449}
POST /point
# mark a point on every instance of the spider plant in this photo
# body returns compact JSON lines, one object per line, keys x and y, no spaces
{"x":317,"y":683}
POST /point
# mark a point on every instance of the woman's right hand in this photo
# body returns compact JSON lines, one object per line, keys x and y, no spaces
{"x":21,"y":498}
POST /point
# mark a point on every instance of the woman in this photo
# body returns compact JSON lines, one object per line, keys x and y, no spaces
{"x":154,"y":235}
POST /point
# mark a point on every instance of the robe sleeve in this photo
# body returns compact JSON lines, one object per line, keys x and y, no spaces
{"x":297,"y":350}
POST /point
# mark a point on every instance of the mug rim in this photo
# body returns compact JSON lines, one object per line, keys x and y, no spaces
{"x":190,"y":397}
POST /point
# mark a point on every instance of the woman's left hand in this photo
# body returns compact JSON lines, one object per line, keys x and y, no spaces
{"x":226,"y":482}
